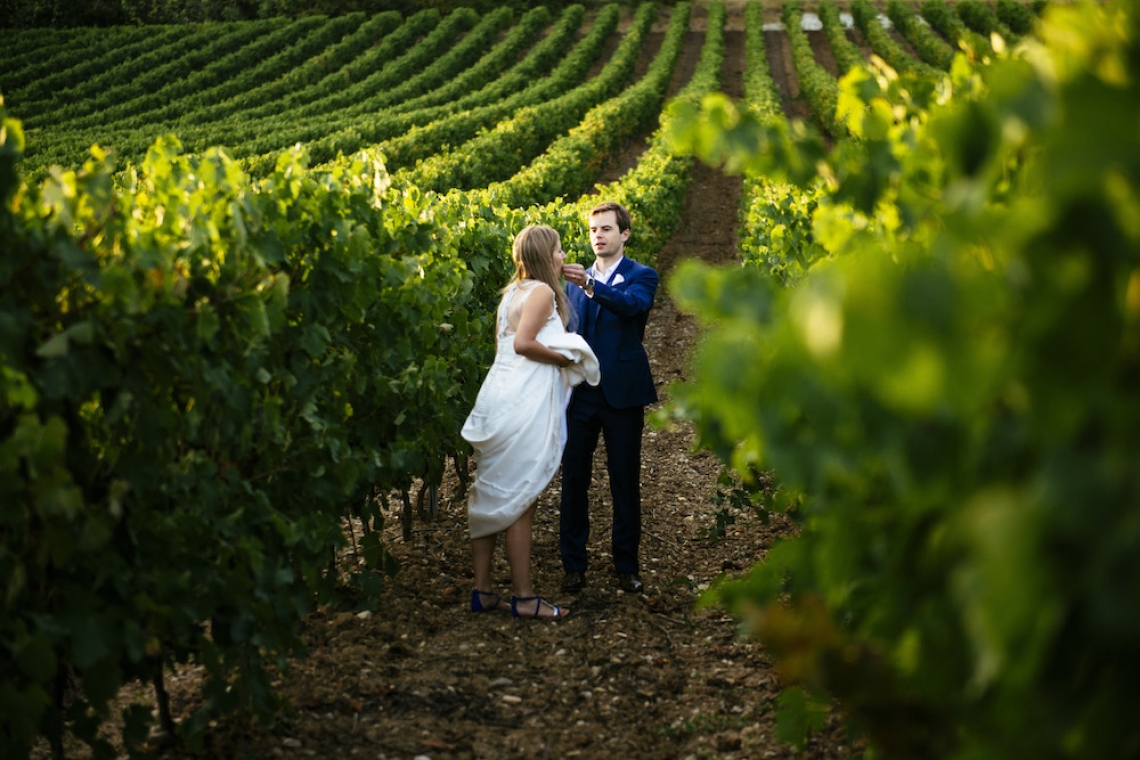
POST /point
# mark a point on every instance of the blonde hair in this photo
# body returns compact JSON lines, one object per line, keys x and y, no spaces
{"x":533,"y":254}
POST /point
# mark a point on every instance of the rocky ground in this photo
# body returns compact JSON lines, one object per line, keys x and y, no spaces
{"x":625,"y":676}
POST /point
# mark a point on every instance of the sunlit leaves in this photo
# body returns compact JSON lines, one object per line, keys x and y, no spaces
{"x":949,"y":395}
{"x":200,"y":374}
{"x":720,"y":133}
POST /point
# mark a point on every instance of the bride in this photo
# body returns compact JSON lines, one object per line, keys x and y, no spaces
{"x":518,"y":425}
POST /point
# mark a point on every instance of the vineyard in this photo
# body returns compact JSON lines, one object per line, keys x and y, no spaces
{"x":892,"y":490}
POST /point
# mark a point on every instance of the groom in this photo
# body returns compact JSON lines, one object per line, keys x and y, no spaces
{"x":612,"y":300}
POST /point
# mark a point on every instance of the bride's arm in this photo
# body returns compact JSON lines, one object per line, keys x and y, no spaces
{"x":535,"y":311}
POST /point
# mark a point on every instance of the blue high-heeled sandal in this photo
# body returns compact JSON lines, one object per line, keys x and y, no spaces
{"x":559,"y":613}
{"x":477,"y":601}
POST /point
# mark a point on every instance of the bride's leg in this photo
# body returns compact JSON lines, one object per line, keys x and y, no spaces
{"x":518,"y":552}
{"x":518,"y":556}
{"x":482,"y":551}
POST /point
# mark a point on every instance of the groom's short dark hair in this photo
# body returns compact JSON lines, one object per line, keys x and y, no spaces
{"x":619,"y":211}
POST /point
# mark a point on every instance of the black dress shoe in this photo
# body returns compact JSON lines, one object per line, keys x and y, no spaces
{"x":630,"y":583}
{"x":574,"y":582}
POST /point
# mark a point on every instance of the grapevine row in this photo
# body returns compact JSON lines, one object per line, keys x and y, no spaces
{"x":271,"y":133}
{"x":867,"y":19}
{"x":846,"y":53}
{"x":433,"y":119}
{"x":930,"y":47}
{"x":47,"y":80}
{"x":120,"y":87}
{"x":181,"y":98}
{"x":502,"y":150}
{"x":281,"y":55}
{"x":775,"y":216}
{"x":61,"y":51}
{"x":570,"y":164}
{"x":963,"y":581}
{"x":817,"y":86}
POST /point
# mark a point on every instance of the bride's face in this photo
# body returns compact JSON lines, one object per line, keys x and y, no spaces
{"x":559,"y":256}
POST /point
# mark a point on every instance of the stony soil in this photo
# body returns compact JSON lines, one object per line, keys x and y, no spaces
{"x":625,"y":676}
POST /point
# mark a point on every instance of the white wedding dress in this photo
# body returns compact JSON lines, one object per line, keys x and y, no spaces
{"x":518,"y":425}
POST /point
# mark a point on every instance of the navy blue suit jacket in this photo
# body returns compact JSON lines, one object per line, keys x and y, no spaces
{"x":613,"y":323}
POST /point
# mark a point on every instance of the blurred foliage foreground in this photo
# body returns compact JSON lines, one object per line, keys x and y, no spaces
{"x":949,"y":397}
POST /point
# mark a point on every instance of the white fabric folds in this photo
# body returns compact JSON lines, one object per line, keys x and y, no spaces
{"x":585,"y":368}
{"x":518,"y":425}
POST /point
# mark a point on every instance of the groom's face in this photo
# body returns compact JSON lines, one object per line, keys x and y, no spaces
{"x":607,"y":240}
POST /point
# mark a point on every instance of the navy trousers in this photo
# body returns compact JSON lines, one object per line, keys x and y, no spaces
{"x":588,"y":416}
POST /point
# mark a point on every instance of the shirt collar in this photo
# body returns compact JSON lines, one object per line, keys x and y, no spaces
{"x":609,"y":275}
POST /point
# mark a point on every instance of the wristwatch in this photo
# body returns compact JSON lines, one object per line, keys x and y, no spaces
{"x":589,"y":286}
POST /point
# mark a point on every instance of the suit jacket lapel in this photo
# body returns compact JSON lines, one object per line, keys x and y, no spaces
{"x":625,"y":265}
